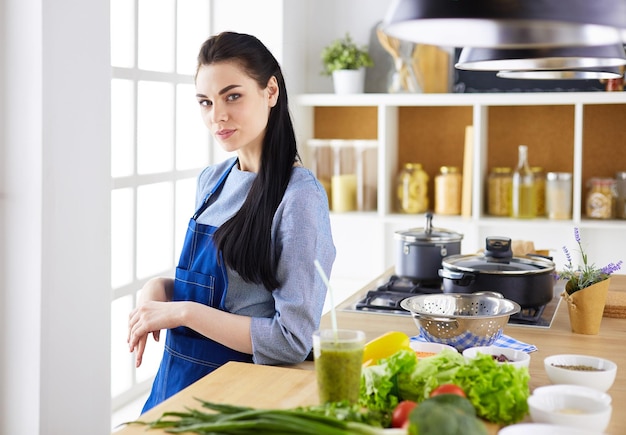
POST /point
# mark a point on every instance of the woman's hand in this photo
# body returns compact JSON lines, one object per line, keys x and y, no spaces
{"x":147,"y":317}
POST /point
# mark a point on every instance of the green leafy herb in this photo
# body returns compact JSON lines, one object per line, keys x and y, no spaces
{"x":588,"y":273}
{"x":497,"y":391}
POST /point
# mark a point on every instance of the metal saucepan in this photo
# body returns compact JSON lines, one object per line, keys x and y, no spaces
{"x":527,"y":280}
{"x":419,"y":251}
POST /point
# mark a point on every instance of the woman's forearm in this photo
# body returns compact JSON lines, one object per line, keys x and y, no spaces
{"x":231,"y":330}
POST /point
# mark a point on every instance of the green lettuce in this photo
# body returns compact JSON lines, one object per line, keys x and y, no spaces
{"x":379,"y":386}
{"x":497,"y":391}
{"x":428,"y":374}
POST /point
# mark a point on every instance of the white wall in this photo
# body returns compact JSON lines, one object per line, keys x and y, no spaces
{"x":331,"y":19}
{"x":55,"y":180}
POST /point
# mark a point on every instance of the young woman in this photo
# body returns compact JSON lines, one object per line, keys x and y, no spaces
{"x":246,"y":286}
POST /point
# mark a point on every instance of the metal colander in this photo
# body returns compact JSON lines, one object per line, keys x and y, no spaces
{"x":461,"y":320}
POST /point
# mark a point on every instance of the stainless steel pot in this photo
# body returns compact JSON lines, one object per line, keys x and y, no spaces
{"x":419,"y":251}
{"x":528,"y":280}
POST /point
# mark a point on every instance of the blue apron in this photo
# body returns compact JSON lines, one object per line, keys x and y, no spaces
{"x":200,"y":277}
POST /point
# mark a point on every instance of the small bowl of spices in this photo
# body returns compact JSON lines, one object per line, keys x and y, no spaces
{"x":502,"y":355}
{"x":586,"y":370}
{"x":571,"y":405}
{"x":426,"y":349}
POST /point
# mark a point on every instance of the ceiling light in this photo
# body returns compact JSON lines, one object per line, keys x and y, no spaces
{"x":507,"y":23}
{"x":556,"y":58}
{"x":590,"y":74}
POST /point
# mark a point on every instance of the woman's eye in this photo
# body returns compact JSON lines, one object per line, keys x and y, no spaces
{"x":204,"y":103}
{"x":233,"y":97}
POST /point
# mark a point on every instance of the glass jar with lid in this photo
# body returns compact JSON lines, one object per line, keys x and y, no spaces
{"x":559,"y":195}
{"x":448,"y":191}
{"x":499,"y":188}
{"x":601,"y":198}
{"x":412,"y":189}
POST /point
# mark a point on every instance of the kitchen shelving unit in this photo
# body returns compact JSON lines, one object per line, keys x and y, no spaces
{"x":578,"y":132}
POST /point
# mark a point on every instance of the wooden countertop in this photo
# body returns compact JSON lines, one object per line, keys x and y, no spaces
{"x":282,"y":387}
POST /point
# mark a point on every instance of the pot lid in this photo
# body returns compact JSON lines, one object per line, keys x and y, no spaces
{"x":428,"y":234}
{"x":498,"y":259}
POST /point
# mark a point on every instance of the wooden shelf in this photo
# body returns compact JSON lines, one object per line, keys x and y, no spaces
{"x":577,"y":132}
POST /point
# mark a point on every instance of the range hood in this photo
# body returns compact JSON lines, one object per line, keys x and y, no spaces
{"x":507,"y":23}
{"x":553,"y":58}
{"x":572,"y":74}
{"x":568,"y":36}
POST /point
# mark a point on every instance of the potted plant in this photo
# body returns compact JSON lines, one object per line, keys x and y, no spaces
{"x":346,"y":62}
{"x":585,"y":290}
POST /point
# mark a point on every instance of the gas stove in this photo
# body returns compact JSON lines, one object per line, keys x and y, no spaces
{"x":386,"y":298}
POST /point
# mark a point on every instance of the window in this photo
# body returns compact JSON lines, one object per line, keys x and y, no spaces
{"x":158,"y":147}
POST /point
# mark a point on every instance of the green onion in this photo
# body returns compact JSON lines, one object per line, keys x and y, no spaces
{"x":329,"y":419}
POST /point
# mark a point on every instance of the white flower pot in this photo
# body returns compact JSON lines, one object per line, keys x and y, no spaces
{"x":349,"y":81}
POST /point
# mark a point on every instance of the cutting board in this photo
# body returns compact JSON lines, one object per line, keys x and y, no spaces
{"x":240,"y":384}
{"x":243,"y":384}
{"x":615,"y":304}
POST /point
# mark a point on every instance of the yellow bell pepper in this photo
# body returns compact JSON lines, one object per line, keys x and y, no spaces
{"x":385,"y":346}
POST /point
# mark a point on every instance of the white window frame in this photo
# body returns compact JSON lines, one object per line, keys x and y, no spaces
{"x":134,"y":182}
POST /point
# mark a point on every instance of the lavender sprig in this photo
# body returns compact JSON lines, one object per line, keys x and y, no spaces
{"x":587,"y":274}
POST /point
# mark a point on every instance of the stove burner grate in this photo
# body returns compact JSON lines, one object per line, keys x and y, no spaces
{"x":409,"y":285}
{"x":386,"y":299}
{"x":529,"y":315}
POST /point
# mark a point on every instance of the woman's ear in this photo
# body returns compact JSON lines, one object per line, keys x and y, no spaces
{"x":272,"y":91}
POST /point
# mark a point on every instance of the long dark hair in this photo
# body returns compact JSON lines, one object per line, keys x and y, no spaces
{"x":245,"y":239}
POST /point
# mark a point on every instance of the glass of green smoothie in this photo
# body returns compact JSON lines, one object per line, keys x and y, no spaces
{"x":338,"y":359}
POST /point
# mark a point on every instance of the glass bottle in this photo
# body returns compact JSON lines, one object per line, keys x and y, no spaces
{"x":523,"y":198}
{"x":620,"y":184}
{"x":412,"y":189}
{"x":540,"y":189}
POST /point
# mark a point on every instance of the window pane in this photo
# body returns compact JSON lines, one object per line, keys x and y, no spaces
{"x":155,"y":234}
{"x":122,"y":33}
{"x":122,"y":127}
{"x":155,"y":127}
{"x":122,"y":237}
{"x":156,"y":35}
{"x":192,"y":136}
{"x":121,"y":359}
{"x":193,"y":29}
{"x":185,"y":208}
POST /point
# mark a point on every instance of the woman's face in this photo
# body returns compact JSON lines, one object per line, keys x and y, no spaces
{"x":234,"y":108}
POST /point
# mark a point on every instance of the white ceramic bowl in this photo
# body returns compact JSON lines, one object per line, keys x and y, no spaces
{"x":516,"y":358}
{"x":581,"y":408}
{"x":544,"y":429}
{"x":575,"y":390}
{"x":600,"y":380}
{"x":427,"y":348}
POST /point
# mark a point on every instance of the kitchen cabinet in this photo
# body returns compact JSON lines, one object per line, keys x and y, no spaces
{"x":577,"y":132}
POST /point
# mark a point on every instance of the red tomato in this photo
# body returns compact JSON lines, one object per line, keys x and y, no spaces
{"x":400,"y":415}
{"x":448,"y":389}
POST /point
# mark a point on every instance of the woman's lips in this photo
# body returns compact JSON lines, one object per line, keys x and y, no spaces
{"x":224,"y":134}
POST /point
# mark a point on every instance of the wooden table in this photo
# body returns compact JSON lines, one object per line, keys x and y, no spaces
{"x":282,"y":387}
